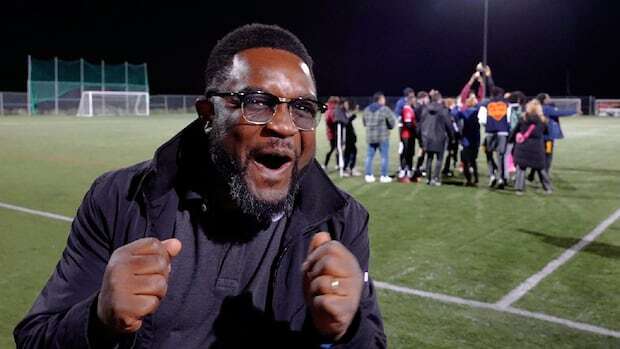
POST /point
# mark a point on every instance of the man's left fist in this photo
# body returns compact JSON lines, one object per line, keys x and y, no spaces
{"x":332,"y":285}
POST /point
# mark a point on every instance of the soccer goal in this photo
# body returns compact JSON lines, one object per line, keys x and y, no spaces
{"x":95,"y":103}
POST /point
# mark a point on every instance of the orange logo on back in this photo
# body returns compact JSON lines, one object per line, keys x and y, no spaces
{"x":497,"y":110}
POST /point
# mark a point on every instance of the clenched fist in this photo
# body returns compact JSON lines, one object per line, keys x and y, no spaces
{"x":332,"y":285}
{"x":134,"y":283}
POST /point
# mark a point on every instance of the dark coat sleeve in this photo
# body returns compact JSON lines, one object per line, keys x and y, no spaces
{"x":366,"y":330}
{"x":61,"y":313}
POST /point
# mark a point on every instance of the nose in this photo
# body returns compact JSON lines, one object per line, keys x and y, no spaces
{"x":282,"y":123}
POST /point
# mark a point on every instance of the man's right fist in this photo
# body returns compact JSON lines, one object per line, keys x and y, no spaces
{"x":134,"y":283}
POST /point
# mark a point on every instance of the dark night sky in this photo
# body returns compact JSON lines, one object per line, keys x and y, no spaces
{"x":358,"y":46}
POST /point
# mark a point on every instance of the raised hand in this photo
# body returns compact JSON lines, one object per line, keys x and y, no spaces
{"x":332,"y":285}
{"x":134,"y":283}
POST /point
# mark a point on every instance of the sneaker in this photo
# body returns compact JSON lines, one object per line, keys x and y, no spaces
{"x":336,"y":167}
{"x":355,"y":173}
{"x":548,"y":192}
{"x":519,"y":193}
{"x":346,"y":174}
{"x":492,"y":181}
{"x":369,"y":178}
{"x":436,"y":183}
{"x":500,"y":184}
{"x":401,"y":174}
{"x":385,"y":179}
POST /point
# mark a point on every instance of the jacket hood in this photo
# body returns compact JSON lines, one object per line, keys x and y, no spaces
{"x":374,"y":107}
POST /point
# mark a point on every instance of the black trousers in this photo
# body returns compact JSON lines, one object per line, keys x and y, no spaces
{"x":350,"y":155}
{"x":469,"y":156}
{"x":332,"y":148}
{"x":406,"y":157}
{"x":453,"y":156}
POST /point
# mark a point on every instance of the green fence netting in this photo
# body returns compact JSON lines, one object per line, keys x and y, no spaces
{"x":54,"y":83}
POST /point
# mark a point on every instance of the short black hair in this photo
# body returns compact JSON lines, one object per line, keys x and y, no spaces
{"x":541,"y":97}
{"x":497,"y":91}
{"x":517,"y":97}
{"x":407,"y":91}
{"x":436,"y":97}
{"x":377,"y":96}
{"x":247,"y":37}
{"x":422,"y":94}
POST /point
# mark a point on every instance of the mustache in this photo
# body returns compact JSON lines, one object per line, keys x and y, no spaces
{"x":276,"y":146}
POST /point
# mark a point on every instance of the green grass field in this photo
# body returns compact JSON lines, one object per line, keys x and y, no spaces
{"x":472,"y":243}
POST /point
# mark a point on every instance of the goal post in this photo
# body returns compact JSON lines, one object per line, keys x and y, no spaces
{"x":96,"y":103}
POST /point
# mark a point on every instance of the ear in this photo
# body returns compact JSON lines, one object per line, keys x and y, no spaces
{"x":204,"y":108}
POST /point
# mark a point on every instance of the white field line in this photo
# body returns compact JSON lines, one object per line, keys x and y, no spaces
{"x":533,"y":280}
{"x":36,"y":212}
{"x":425,"y":294}
{"x":510,"y":310}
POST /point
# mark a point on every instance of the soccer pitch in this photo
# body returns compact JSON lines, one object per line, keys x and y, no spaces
{"x":454,"y":252}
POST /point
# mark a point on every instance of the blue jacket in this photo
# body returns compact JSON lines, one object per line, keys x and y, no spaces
{"x":142,"y":201}
{"x":398,"y":108}
{"x":554,"y":114}
{"x":470,"y":127}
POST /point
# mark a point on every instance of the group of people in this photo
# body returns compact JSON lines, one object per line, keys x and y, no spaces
{"x":519,"y":134}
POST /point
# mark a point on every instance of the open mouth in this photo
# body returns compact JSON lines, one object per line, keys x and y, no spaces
{"x":273,"y":161}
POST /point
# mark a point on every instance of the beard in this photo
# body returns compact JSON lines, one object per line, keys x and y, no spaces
{"x":234,"y":173}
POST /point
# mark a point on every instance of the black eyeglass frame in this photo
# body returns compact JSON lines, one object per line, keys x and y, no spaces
{"x":321,"y":107}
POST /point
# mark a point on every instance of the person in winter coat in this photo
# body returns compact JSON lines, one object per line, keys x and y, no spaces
{"x":330,"y":128}
{"x":378,"y":120}
{"x":467,"y":118}
{"x":407,"y":139}
{"x":350,"y":148}
{"x":422,"y":100}
{"x":553,"y":114}
{"x":436,"y":131}
{"x":529,"y":151}
{"x":497,"y":131}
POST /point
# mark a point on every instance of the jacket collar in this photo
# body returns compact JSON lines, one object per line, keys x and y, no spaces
{"x":317,"y":199}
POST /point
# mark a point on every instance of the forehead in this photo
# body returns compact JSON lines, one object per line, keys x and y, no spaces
{"x":272,"y":70}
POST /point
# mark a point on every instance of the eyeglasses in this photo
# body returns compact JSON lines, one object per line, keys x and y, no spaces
{"x":259,"y":108}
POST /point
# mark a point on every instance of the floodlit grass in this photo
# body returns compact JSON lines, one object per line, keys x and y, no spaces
{"x":473,"y":243}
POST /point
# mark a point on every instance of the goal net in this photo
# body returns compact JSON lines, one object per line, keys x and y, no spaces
{"x":568,"y":103}
{"x":95,"y":103}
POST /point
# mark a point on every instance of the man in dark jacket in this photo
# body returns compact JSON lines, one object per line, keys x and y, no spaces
{"x":232,"y":236}
{"x":436,"y":131}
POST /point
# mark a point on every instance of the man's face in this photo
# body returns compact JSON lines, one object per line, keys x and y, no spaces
{"x":270,"y":153}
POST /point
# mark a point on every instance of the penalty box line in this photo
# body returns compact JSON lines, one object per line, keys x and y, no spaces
{"x":510,"y":310}
{"x":425,"y":294}
{"x":531,"y":282}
